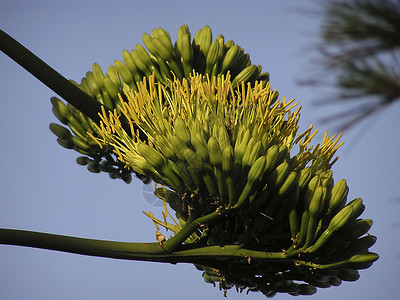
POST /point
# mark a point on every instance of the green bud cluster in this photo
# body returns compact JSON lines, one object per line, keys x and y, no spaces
{"x":166,"y":60}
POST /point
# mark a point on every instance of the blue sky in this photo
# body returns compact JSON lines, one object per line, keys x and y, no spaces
{"x":43,"y":189}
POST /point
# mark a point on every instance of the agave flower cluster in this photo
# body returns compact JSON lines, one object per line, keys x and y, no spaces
{"x":237,"y":173}
{"x":256,"y":204}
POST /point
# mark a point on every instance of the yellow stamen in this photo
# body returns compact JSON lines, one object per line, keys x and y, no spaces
{"x":213,"y":102}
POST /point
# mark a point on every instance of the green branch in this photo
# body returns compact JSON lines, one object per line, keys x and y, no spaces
{"x":51,"y":78}
{"x":189,"y":253}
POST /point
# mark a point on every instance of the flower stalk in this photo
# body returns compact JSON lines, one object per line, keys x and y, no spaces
{"x":50,"y":77}
{"x":128,"y":250}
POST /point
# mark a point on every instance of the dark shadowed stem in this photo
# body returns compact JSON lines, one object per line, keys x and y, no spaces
{"x":51,"y":78}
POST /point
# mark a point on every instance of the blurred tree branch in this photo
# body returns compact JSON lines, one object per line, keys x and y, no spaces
{"x":361,"y":49}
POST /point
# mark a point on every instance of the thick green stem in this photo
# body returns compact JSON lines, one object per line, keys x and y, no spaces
{"x":51,"y":78}
{"x":76,"y":245}
{"x":133,"y":251}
